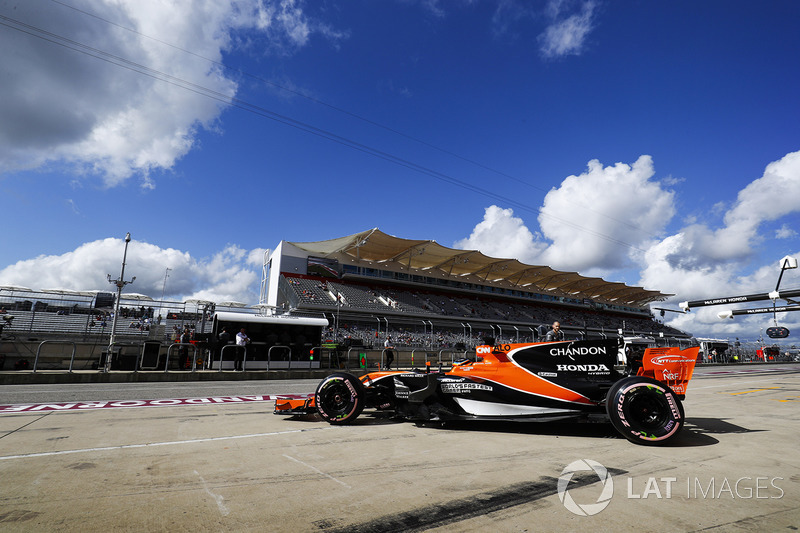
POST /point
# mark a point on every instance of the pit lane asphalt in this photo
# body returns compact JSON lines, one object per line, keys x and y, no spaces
{"x":237,"y":467}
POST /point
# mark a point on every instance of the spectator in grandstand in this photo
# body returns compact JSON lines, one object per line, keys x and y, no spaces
{"x":387,"y":345}
{"x":555,"y":334}
{"x":242,"y":341}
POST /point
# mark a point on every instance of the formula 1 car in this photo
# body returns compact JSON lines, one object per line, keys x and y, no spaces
{"x":640,"y":393}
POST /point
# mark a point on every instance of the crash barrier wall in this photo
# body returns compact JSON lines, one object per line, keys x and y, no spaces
{"x":225,"y":350}
{"x":39,"y":351}
{"x":149,"y":355}
{"x":69,"y":356}
{"x":409,"y":332}
{"x":182,"y":355}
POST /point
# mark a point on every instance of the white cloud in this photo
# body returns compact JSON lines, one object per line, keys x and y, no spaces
{"x":566,"y":35}
{"x":256,"y":257}
{"x":613,"y":219}
{"x":594,"y":221}
{"x":672,"y":181}
{"x":509,"y":13}
{"x":61,"y":103}
{"x":433,"y":7}
{"x":501,"y":234}
{"x":774,"y":195}
{"x":227,"y":276}
{"x":700,"y":261}
{"x":785,"y":232}
{"x":598,"y":219}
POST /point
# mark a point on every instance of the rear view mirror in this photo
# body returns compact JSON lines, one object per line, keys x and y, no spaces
{"x":777,"y":333}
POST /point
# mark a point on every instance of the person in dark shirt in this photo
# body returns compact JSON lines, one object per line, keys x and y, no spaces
{"x":555,"y":334}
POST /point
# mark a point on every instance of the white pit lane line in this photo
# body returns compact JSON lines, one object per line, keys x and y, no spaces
{"x":318,"y":471}
{"x":154,"y":444}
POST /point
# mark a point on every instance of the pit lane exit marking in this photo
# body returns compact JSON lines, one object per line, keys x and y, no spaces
{"x":754,"y":390}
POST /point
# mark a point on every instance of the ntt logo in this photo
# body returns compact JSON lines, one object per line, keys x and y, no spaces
{"x":587,"y":509}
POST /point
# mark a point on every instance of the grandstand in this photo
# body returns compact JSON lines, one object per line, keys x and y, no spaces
{"x":371,"y":284}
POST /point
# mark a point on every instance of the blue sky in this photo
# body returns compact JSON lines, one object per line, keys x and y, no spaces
{"x":654,"y":143}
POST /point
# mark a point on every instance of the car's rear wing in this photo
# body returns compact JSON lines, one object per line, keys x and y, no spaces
{"x":672,"y":366}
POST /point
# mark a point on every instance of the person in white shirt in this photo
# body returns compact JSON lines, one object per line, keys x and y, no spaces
{"x":387,"y":344}
{"x":241,"y":348}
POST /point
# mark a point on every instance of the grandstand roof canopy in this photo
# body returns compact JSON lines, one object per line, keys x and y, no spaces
{"x":427,"y":257}
{"x":136,"y":296}
{"x":68,"y":292}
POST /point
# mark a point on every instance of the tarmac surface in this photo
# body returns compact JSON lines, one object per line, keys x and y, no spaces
{"x":211,"y":456}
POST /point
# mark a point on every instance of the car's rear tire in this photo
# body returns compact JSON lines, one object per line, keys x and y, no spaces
{"x":644,"y":411}
{"x":340,"y":398}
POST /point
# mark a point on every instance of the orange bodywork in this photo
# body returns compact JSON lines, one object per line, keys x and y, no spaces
{"x":496,"y":367}
{"x":295,"y":406}
{"x":672,"y":366}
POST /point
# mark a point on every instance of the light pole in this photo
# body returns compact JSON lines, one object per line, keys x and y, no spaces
{"x":119,"y":283}
{"x":163,"y":291}
{"x":338,"y":307}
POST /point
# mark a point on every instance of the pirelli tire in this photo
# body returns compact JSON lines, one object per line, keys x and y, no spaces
{"x":340,"y":398}
{"x":644,"y":411}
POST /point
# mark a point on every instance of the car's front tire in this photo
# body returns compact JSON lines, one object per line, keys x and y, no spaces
{"x":340,"y":398}
{"x":644,"y":411}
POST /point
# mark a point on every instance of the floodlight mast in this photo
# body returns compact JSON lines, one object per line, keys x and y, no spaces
{"x":120,"y":283}
{"x":786,"y":264}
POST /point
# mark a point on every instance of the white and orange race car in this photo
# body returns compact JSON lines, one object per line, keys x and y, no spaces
{"x":640,"y":394}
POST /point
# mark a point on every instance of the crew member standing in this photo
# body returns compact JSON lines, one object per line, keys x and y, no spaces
{"x":185,"y":339}
{"x":242,"y":340}
{"x":555,"y":334}
{"x":387,"y":345}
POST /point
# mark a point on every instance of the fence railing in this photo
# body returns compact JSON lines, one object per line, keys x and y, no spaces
{"x":144,"y":355}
